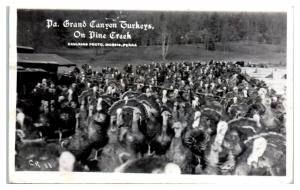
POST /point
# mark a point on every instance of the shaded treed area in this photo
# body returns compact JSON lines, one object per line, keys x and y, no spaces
{"x":170,"y":27}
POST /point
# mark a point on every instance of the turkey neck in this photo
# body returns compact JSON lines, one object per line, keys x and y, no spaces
{"x":135,"y":126}
{"x":77,"y":122}
{"x":113,"y":136}
{"x":215,"y":150}
{"x":176,"y":142}
{"x":164,"y":129}
{"x":164,"y":98}
{"x":181,"y":113}
{"x":178,"y":131}
{"x":174,"y":113}
{"x":90,"y":112}
{"x":164,"y":124}
{"x":177,"y":139}
{"x":218,"y":140}
{"x":196,"y":122}
{"x":119,"y":119}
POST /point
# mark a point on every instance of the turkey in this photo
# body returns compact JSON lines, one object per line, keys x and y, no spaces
{"x":65,"y":122}
{"x":154,"y":122}
{"x":91,"y":135}
{"x":114,"y":153}
{"x":161,"y":142}
{"x":265,"y":155}
{"x":98,"y":125}
{"x":129,"y":94}
{"x":196,"y":137}
{"x":215,"y":148}
{"x":178,"y":153}
{"x":25,"y":124}
{"x":248,"y":164}
{"x":133,"y":128}
{"x":186,"y":117}
{"x":237,"y":110}
{"x":132,"y":136}
{"x":269,"y":119}
{"x":246,"y":126}
{"x":79,"y":145}
{"x":210,"y":117}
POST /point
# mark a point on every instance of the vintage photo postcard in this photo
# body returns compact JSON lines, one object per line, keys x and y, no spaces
{"x":150,"y":96}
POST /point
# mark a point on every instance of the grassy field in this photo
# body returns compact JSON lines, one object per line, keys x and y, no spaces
{"x":116,"y":57}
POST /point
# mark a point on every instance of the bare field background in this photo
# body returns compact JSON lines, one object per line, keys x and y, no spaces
{"x":278,"y":83}
{"x":271,"y":55}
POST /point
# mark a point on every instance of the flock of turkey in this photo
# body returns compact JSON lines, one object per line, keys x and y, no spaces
{"x":176,"y":117}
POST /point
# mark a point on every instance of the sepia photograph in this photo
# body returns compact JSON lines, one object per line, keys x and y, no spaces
{"x":176,"y":93}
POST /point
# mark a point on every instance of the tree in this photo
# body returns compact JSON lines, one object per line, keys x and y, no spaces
{"x":225,"y":36}
{"x":165,"y":44}
{"x":62,"y":33}
{"x":207,"y":39}
{"x":165,"y":36}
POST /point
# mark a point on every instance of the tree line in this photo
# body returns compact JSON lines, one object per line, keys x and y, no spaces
{"x":171,"y":27}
